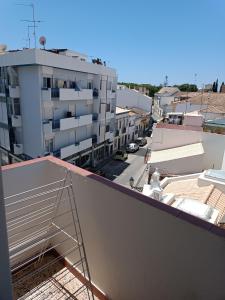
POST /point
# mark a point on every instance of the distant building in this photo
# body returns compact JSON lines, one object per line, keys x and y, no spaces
{"x":56,"y":102}
{"x":164,"y":97}
{"x":129,"y":98}
{"x":121,"y":128}
{"x":143,"y":90}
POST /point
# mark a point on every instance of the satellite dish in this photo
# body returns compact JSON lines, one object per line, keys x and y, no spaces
{"x":3,"y":48}
{"x":42,"y":41}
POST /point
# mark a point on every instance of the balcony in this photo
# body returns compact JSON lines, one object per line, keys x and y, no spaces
{"x":14,"y":91}
{"x":32,"y":192}
{"x":73,"y":122}
{"x":16,"y":121}
{"x":46,"y":94}
{"x":75,"y":148}
{"x":63,"y":94}
{"x":109,"y":136}
{"x":18,"y":149}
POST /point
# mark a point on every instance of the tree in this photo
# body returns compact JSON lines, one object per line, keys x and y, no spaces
{"x":186,"y":87}
{"x":221,"y":87}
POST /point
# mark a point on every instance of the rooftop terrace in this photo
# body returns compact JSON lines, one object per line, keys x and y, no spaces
{"x":128,"y":238}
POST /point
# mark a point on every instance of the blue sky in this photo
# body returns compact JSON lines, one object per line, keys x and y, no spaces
{"x":144,"y":40}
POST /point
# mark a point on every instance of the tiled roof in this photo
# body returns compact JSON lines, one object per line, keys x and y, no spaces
{"x":179,"y":127}
{"x":168,"y":90}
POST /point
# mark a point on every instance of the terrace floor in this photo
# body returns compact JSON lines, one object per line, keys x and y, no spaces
{"x":55,"y":282}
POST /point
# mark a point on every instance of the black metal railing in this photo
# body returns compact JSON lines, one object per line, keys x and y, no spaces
{"x":95,"y":117}
{"x":55,"y":92}
{"x":95,"y":92}
{"x":55,"y":124}
{"x":94,"y":139}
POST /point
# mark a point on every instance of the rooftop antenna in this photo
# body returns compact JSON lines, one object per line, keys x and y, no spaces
{"x":166,"y":81}
{"x":33,"y":21}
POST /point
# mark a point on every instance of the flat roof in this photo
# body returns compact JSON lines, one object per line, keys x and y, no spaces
{"x":176,"y":153}
{"x":179,"y":127}
{"x":120,"y":110}
{"x":191,"y":188}
{"x":46,"y":58}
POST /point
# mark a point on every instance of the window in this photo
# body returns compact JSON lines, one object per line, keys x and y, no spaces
{"x":49,"y":145}
{"x":107,"y":107}
{"x":90,"y":85}
{"x":16,"y":106}
{"x":107,"y":128}
{"x":47,"y":82}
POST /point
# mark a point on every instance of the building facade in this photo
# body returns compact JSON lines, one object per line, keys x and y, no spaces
{"x":56,"y":102}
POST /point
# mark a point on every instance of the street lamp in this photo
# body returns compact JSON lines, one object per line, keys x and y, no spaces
{"x":131,"y":181}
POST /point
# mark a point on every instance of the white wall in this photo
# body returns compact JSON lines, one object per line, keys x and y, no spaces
{"x":31,"y":110}
{"x":132,"y":98}
{"x":187,"y":165}
{"x":213,"y":144}
{"x":169,"y":138}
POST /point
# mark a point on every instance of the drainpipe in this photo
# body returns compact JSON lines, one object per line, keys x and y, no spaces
{"x":5,"y":273}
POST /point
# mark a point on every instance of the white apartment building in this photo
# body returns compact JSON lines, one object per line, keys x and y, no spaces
{"x":122,"y":127}
{"x":130,"y":98}
{"x":56,"y":102}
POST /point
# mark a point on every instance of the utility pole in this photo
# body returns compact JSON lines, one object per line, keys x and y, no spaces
{"x":5,"y":273}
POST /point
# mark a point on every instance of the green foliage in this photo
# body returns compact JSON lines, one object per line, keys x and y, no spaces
{"x":186,"y":87}
{"x":152,"y":88}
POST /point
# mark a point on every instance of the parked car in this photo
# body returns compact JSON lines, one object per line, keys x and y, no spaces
{"x":120,"y":155}
{"x":141,"y":141}
{"x":132,"y":147}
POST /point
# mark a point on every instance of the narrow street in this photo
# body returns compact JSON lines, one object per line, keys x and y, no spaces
{"x":120,"y":172}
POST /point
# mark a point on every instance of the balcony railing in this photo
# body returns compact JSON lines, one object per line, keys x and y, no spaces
{"x":75,"y":148}
{"x":94,"y":139}
{"x":72,"y":122}
{"x":95,"y":117}
{"x":67,"y":94}
{"x":55,"y":92}
{"x":95,"y":93}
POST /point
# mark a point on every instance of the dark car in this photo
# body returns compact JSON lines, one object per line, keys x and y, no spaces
{"x":141,"y":141}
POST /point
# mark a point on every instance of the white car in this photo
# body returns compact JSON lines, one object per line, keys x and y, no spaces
{"x":132,"y":147}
